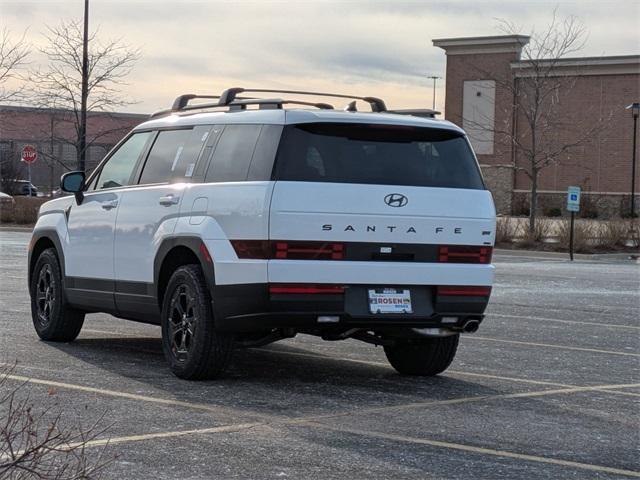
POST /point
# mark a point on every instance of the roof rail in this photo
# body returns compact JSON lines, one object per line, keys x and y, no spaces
{"x":377,"y":104}
{"x":181,"y":103}
{"x":229,"y":98}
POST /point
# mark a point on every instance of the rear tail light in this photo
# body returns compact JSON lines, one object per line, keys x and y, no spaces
{"x":464,"y":254}
{"x":282,"y":250}
{"x":302,"y":288}
{"x":464,"y":291}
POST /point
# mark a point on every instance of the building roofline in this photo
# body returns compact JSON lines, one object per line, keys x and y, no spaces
{"x":611,"y":65}
{"x":21,"y":108}
{"x":479,"y":41}
{"x":482,"y":45}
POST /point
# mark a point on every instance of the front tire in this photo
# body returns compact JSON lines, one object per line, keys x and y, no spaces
{"x":424,"y":357}
{"x":53,"y":318}
{"x":191,"y":345}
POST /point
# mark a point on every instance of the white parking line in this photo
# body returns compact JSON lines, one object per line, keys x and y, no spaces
{"x":478,"y":450}
{"x":548,"y":345}
{"x":119,"y":394}
{"x":557,"y":320}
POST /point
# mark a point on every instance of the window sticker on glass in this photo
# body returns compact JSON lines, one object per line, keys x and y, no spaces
{"x":189,"y":171}
{"x":175,"y":160}
{"x":204,"y":136}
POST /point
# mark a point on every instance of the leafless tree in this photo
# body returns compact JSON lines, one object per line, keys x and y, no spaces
{"x":59,"y":84}
{"x":35,"y":444}
{"x":538,"y":85}
{"x":13,"y":57}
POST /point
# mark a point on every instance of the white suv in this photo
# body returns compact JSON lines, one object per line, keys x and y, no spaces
{"x":238,"y":223}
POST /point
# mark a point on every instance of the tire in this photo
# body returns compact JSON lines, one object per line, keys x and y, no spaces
{"x":425,"y":357}
{"x":53,"y":318}
{"x":191,"y":345}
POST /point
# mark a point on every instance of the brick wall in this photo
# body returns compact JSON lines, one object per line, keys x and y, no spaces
{"x":591,"y":98}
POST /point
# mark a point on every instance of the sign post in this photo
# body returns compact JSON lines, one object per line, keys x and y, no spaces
{"x":29,"y":155}
{"x":573,"y":206}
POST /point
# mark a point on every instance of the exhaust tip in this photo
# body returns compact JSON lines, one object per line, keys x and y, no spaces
{"x":471,"y":326}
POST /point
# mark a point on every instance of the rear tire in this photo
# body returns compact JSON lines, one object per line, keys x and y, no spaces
{"x":53,"y":318}
{"x":191,"y":345}
{"x":424,"y":357}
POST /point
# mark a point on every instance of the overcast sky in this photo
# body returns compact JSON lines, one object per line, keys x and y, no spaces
{"x":380,"y":48}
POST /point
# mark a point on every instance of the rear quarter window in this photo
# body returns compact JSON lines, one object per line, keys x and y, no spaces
{"x":377,"y":154}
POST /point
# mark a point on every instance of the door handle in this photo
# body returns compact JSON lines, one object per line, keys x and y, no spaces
{"x":168,"y":200}
{"x":109,"y":204}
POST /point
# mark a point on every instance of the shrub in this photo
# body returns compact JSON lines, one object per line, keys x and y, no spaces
{"x":507,"y":229}
{"x":553,"y":212}
{"x":583,"y":232}
{"x":542,"y":229}
{"x":24,"y":211}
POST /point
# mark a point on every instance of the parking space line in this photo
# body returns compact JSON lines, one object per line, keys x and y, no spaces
{"x":479,"y":398}
{"x":119,"y":394}
{"x":477,"y":450}
{"x":449,"y":372}
{"x":179,"y":433}
{"x":557,"y":320}
{"x":548,"y":345}
{"x":103,"y":442}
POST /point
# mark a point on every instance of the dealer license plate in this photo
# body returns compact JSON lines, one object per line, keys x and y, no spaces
{"x":390,"y":300}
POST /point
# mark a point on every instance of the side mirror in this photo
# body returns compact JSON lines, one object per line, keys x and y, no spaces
{"x":73,"y":182}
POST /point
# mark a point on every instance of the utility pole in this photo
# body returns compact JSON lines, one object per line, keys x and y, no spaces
{"x":635,"y":111}
{"x":82,"y":147}
{"x":434,"y":78}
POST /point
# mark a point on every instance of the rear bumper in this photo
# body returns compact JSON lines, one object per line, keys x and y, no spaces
{"x":250,"y":308}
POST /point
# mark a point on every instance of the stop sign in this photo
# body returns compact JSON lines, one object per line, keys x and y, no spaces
{"x":29,"y":154}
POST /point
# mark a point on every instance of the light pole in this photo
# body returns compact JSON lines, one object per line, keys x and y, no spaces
{"x":84,"y":93}
{"x":434,"y":78}
{"x":635,"y":111}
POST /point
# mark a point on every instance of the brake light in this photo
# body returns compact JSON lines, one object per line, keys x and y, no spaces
{"x":464,"y":254}
{"x":301,"y":288}
{"x":464,"y":291}
{"x":285,"y":250}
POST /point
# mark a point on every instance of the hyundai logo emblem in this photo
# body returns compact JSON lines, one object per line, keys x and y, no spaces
{"x":396,"y":200}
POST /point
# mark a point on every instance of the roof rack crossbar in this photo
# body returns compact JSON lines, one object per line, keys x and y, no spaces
{"x":228,"y":96}
{"x":239,"y":103}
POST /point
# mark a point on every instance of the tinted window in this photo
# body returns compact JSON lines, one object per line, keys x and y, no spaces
{"x":118,"y":169}
{"x":264,"y":154}
{"x":376,"y":154}
{"x":232,"y":156}
{"x":166,"y":158}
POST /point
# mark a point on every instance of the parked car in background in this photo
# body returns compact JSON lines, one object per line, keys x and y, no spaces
{"x":20,"y":187}
{"x":6,"y":199}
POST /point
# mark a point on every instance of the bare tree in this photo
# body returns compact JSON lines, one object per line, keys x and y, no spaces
{"x":538,"y":85}
{"x":59,"y":84}
{"x":35,"y":444}
{"x":13,"y":57}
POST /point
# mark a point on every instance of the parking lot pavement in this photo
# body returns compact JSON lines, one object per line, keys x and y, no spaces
{"x":549,"y":387}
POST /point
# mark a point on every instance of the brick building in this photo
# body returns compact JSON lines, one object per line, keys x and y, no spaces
{"x":52,"y":132}
{"x":483,"y":75}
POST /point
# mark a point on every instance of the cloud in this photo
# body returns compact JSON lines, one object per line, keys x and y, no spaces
{"x":378,"y":48}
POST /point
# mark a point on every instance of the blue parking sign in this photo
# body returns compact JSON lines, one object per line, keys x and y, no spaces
{"x":573,"y":199}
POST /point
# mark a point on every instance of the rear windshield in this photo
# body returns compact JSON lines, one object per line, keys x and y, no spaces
{"x":376,"y":154}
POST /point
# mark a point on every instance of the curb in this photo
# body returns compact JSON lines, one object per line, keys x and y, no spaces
{"x":583,"y":256}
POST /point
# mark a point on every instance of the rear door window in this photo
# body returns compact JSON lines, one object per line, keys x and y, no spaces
{"x":377,"y":154}
{"x":174,"y":155}
{"x":232,"y":156}
{"x":118,"y":169}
